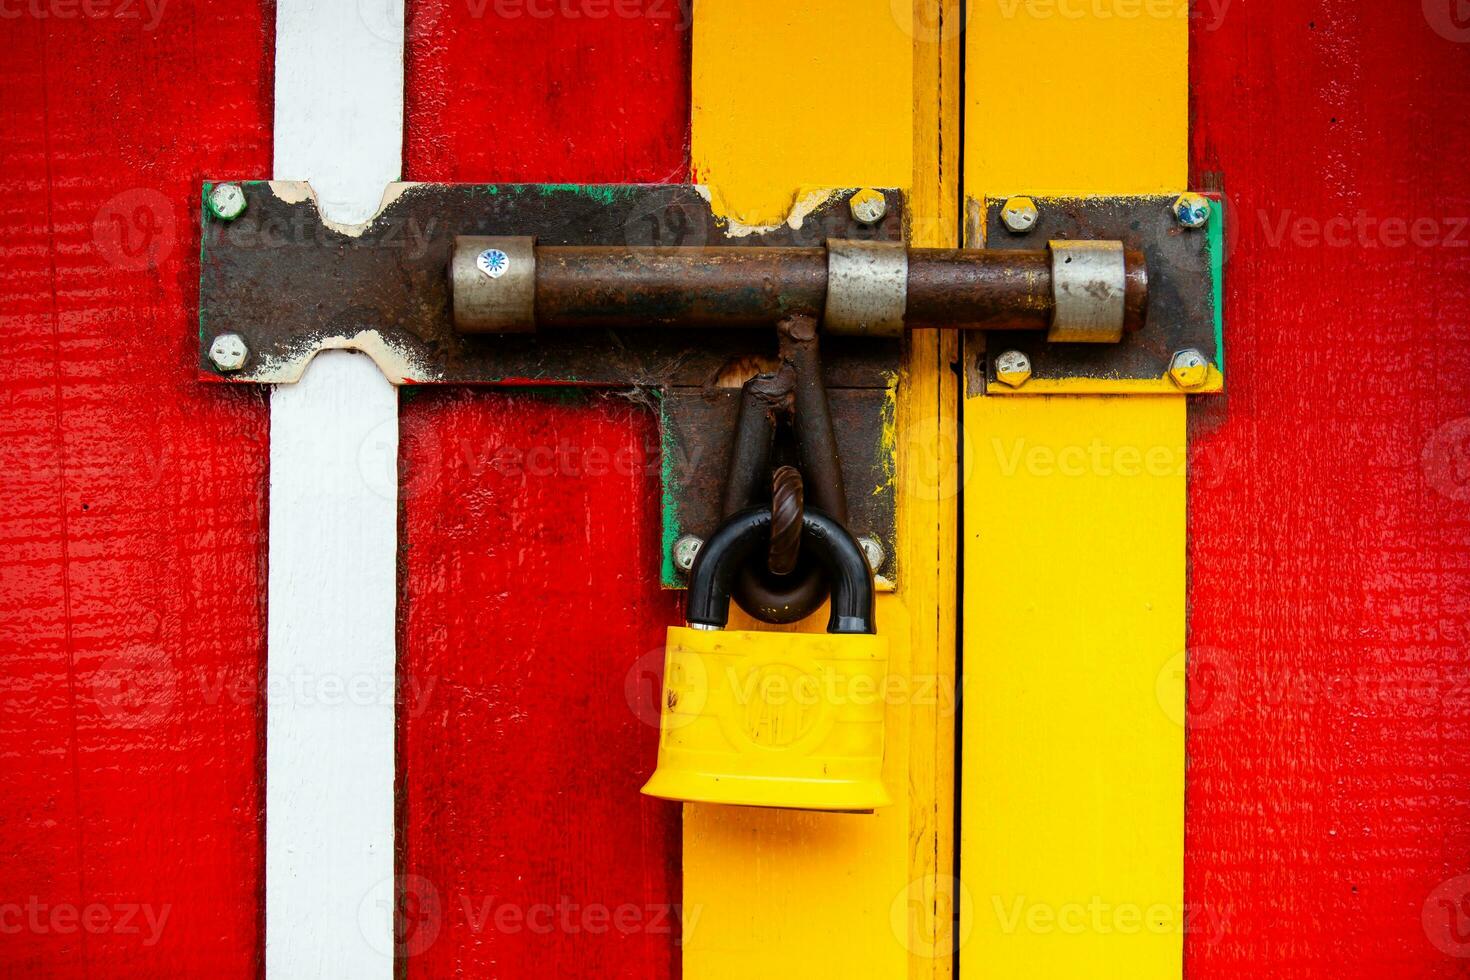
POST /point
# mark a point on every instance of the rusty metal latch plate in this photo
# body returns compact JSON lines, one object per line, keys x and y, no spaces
{"x":1185,"y":273}
{"x":283,"y":284}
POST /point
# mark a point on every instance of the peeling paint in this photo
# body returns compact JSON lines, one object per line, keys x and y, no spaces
{"x":804,"y":201}
{"x":669,"y":460}
{"x":398,"y":366}
{"x":603,"y":193}
{"x":888,"y":439}
{"x":297,"y":191}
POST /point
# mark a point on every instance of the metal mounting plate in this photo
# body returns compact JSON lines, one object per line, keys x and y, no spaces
{"x":1185,"y":277}
{"x":291,"y":284}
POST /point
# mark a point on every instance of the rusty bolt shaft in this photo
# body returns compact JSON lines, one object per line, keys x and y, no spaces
{"x":619,"y":286}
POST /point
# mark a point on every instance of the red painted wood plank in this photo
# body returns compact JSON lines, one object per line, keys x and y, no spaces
{"x":1329,"y":743}
{"x":131,"y":498}
{"x":547,"y":90}
{"x":531,"y":522}
{"x":530,"y":543}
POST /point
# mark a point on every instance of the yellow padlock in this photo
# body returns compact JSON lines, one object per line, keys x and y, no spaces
{"x":789,"y":720}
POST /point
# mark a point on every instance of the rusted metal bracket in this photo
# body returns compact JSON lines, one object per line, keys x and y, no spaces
{"x":1180,"y":350}
{"x":555,"y":285}
{"x":278,"y":284}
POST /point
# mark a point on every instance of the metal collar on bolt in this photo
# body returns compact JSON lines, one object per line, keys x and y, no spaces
{"x":1089,"y":282}
{"x":493,"y":283}
{"x":867,"y":288}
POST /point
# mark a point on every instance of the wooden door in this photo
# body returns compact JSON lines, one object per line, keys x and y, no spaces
{"x":1303,"y":815}
{"x":1303,"y":812}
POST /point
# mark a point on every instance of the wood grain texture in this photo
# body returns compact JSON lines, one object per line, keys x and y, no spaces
{"x":331,"y":672}
{"x":339,"y":102}
{"x":531,"y":618}
{"x":1076,"y":98}
{"x":532,"y":639}
{"x":1072,"y":790}
{"x":547,"y":90}
{"x":930,"y":515}
{"x":784,"y":893}
{"x":1329,"y":742}
{"x":332,"y":569}
{"x":818,"y":132}
{"x":1073,"y":768}
{"x":132,"y":522}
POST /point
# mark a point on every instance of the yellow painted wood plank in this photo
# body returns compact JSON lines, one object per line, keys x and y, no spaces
{"x":932,"y":474}
{"x":1072,"y":795}
{"x":1072,"y":790}
{"x":1077,"y":97}
{"x":835,"y":93}
{"x":788,"y":95}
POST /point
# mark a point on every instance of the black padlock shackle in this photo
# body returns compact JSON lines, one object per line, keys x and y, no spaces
{"x":722,"y":556}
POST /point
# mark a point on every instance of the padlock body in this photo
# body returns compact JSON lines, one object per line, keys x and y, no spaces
{"x":773,"y":719}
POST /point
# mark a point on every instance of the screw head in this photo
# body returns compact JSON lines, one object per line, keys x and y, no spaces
{"x":685,"y":551}
{"x":1019,"y":215}
{"x":873,"y":551}
{"x":228,"y":352}
{"x":1013,"y":368}
{"x":1189,"y":369}
{"x":868,"y":206}
{"x":1192,"y":210}
{"x":226,"y":201}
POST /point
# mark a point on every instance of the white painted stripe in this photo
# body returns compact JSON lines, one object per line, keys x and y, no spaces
{"x":330,"y":674}
{"x":333,"y":533}
{"x":339,"y":100}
